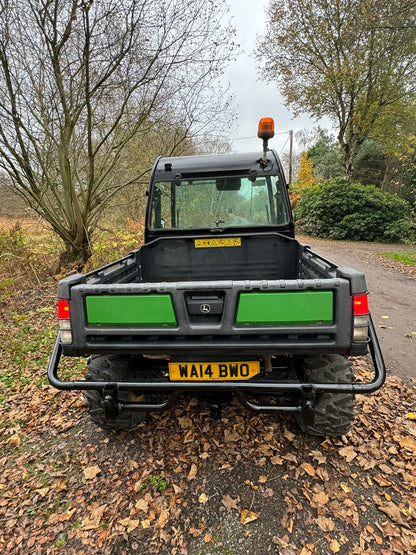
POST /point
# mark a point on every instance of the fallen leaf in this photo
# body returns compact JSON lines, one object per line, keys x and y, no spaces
{"x":42,"y":491}
{"x":345,"y":488}
{"x":61,"y":486}
{"x":348,"y":453}
{"x":195,"y":532}
{"x":14,"y":441}
{"x":320,"y":499}
{"x":382,"y":480}
{"x":91,"y":472}
{"x":334,"y":546}
{"x":202,"y":498}
{"x":288,"y":435}
{"x":393,"y":512}
{"x":247,"y":516}
{"x":325,"y":523}
{"x":145,"y":524}
{"x":287,"y":521}
{"x":290,"y":457}
{"x":276,"y":459}
{"x":384,"y":468}
{"x":129,"y":524}
{"x":230,"y":503}
{"x":163,"y":519}
{"x":408,"y":443}
{"x":93,"y":520}
{"x":67,"y":515}
{"x":193,"y":472}
{"x":309,"y":469}
{"x":262,"y":479}
{"x":268,"y":492}
{"x":142,"y":505}
{"x":319,"y":457}
{"x":208,"y":538}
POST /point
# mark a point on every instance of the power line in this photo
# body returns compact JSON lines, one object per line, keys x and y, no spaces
{"x":255,"y":136}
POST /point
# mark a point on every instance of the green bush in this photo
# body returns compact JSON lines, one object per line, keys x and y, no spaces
{"x":351,"y":211}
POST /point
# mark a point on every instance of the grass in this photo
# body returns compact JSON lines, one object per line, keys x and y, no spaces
{"x":404,"y":257}
{"x":157,"y":482}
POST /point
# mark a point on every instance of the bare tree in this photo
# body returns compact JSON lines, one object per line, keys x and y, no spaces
{"x":80,"y":79}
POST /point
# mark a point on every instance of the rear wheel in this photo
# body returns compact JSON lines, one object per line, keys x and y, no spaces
{"x":112,"y":369}
{"x":333,"y":412}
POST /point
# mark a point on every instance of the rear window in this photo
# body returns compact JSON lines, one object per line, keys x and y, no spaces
{"x":224,"y":202}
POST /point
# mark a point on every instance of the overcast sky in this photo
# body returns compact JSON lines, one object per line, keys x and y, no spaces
{"x":255,"y":98}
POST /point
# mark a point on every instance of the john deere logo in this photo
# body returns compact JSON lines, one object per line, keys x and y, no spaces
{"x":205,"y":308}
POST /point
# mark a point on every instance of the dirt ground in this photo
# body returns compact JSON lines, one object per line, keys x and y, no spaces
{"x":183,"y":484}
{"x":392,"y":288}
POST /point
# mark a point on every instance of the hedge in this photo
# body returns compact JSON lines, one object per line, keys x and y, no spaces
{"x":351,"y":211}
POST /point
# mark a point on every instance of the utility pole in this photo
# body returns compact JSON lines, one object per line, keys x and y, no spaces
{"x":290,"y":156}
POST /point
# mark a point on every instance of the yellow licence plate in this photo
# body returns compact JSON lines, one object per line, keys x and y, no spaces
{"x":213,"y":371}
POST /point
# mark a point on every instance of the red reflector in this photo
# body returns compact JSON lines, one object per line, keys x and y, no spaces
{"x":63,"y":310}
{"x":360,"y":305}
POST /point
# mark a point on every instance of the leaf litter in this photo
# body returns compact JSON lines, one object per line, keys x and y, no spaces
{"x":182,"y":483}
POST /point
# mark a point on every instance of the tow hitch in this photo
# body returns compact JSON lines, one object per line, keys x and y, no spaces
{"x":308,"y":404}
{"x":110,"y":403}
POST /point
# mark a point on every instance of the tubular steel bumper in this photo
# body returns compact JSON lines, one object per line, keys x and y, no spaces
{"x":240,"y":389}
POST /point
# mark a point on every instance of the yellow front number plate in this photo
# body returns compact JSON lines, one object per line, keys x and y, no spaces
{"x":213,"y":371}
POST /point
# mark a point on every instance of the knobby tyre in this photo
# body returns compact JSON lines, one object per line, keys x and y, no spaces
{"x":112,"y":369}
{"x":334,"y":412}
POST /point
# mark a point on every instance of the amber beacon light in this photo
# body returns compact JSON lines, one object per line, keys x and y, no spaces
{"x":265,"y":132}
{"x":266,"y":128}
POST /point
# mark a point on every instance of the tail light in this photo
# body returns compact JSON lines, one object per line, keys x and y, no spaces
{"x":361,"y":317}
{"x":64,"y":319}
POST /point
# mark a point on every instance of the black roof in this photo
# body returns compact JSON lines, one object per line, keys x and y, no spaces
{"x":217,"y":164}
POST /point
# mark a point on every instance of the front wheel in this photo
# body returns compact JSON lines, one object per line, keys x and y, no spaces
{"x":333,"y":412}
{"x":112,"y":369}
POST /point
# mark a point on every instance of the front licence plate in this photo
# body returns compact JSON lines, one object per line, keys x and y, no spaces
{"x":213,"y":371}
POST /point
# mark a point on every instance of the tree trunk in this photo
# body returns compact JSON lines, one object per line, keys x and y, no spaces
{"x":387,"y":185}
{"x":78,"y":249}
{"x":349,"y":148}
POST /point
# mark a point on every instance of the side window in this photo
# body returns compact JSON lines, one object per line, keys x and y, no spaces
{"x":281,"y":208}
{"x":161,"y":206}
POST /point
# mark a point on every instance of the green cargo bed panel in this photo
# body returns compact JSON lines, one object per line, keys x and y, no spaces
{"x":130,"y":310}
{"x":285,"y":308}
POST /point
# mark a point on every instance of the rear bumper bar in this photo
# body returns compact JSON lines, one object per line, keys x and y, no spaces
{"x":240,"y":389}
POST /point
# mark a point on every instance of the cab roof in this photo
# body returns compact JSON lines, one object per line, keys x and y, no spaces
{"x":216,"y":165}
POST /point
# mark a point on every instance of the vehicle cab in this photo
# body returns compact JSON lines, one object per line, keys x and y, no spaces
{"x":230,"y":193}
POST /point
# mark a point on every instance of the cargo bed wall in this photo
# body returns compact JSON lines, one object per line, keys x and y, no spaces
{"x":259,"y":256}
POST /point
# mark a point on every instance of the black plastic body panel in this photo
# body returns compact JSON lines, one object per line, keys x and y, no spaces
{"x":215,"y":335}
{"x":266,"y":256}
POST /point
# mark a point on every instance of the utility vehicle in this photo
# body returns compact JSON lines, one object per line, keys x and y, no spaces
{"x":220,"y":301}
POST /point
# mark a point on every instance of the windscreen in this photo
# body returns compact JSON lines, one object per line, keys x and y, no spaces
{"x":222,"y":202}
